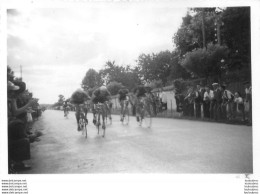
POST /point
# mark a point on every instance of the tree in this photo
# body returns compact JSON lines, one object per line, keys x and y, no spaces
{"x":114,"y":87}
{"x":163,"y":66}
{"x":122,"y":74}
{"x":236,"y":35}
{"x":92,"y":79}
{"x":196,"y":31}
{"x":205,"y":63}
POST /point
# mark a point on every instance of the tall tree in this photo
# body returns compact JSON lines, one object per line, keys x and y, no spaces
{"x":122,"y":74}
{"x":205,"y":63}
{"x":92,"y":79}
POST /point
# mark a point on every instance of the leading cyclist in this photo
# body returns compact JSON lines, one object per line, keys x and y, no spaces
{"x":123,"y":100}
{"x":101,"y":95}
{"x":66,"y":107}
{"x":143,"y":101}
{"x":79,"y":99}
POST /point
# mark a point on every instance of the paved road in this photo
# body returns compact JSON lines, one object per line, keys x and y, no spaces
{"x":170,"y":146}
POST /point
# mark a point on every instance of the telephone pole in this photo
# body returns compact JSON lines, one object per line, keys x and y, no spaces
{"x":21,"y":72}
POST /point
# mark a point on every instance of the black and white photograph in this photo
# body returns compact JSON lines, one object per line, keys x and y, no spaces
{"x":130,"y":87}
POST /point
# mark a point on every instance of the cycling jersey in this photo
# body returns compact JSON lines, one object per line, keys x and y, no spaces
{"x":140,"y":91}
{"x":100,"y":96}
{"x":122,"y":94}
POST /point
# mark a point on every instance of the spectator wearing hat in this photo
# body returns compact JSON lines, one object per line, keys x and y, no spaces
{"x":18,"y":144}
{"x":18,"y":110}
{"x":189,"y":102}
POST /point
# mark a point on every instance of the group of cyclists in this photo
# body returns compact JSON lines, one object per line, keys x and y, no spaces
{"x":100,"y":102}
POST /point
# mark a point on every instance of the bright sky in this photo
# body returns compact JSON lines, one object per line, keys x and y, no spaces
{"x":56,"y":47}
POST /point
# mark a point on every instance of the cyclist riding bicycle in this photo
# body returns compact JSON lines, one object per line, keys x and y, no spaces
{"x":78,"y":98}
{"x":124,"y":100}
{"x":65,"y":107}
{"x":100,"y":95}
{"x":143,"y":101}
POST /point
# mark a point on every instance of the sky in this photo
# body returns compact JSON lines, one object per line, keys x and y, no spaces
{"x":56,"y":46}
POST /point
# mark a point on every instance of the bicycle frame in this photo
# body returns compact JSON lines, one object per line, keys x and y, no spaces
{"x":145,"y":114}
{"x":100,"y":112}
{"x":125,"y":111}
{"x":83,"y":122}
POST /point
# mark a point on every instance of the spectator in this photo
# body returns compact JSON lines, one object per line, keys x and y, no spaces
{"x":163,"y":98}
{"x":20,"y":112}
{"x":189,"y":101}
{"x":248,"y":102}
{"x":207,"y":99}
{"x":227,"y":103}
{"x":239,"y":105}
{"x":18,"y":143}
{"x":198,"y":100}
{"x":217,"y":101}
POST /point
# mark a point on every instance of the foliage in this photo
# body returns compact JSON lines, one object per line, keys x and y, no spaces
{"x":91,"y":79}
{"x":125,"y":75}
{"x":114,"y":87}
{"x":205,"y":63}
{"x":190,"y":36}
{"x":236,"y":30}
{"x":162,"y":66}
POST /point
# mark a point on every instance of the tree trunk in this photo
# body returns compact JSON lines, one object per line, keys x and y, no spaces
{"x":203,"y":30}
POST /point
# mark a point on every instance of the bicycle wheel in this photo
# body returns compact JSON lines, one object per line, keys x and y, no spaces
{"x":104,"y":130}
{"x":147,"y":118}
{"x":126,"y":117}
{"x":98,"y":122}
{"x":85,"y":129}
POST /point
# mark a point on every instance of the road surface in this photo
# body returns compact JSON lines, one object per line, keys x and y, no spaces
{"x":170,"y":146}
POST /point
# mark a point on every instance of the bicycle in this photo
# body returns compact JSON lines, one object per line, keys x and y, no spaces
{"x":83,"y":123}
{"x":100,"y":110}
{"x":108,"y":106}
{"x":145,"y":112}
{"x":66,"y":113}
{"x":125,"y":115}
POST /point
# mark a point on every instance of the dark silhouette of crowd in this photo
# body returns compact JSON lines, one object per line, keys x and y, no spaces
{"x":215,"y":102}
{"x":23,"y":109}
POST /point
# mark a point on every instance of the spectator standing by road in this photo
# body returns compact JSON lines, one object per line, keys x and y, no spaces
{"x":227,"y":103}
{"x":198,"y":100}
{"x":189,"y":101}
{"x":207,"y":99}
{"x":239,"y":105}
{"x":248,"y":102}
{"x":163,"y":99}
{"x":217,"y":101}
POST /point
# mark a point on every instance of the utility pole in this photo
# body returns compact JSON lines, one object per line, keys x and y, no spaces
{"x":21,"y":72}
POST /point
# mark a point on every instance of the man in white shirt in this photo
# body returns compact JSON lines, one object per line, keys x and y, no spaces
{"x":208,"y":96}
{"x":163,"y":98}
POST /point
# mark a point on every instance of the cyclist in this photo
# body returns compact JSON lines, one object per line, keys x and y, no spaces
{"x":144,"y":99}
{"x":65,"y":107}
{"x":101,"y":95}
{"x":78,"y":99}
{"x":139,"y":93}
{"x":123,"y":99}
